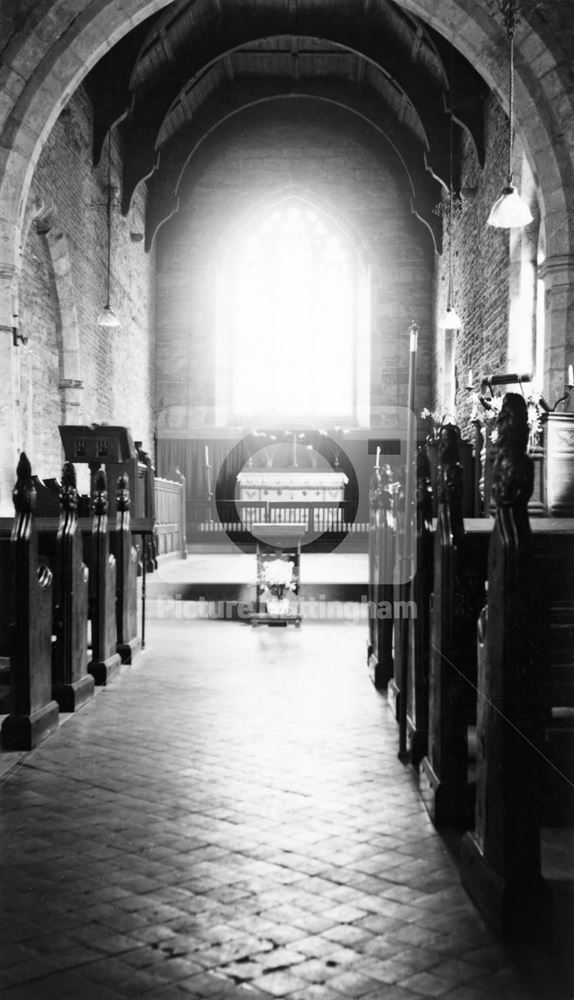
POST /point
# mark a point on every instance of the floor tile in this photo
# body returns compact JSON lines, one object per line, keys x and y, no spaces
{"x":229,"y":819}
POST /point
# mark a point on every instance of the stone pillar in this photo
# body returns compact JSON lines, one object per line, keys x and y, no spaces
{"x":557,"y":273}
{"x":71,"y":391}
{"x":9,"y":405}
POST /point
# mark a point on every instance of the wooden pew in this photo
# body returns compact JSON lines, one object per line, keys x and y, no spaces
{"x":126,"y":557}
{"x":382,"y":531}
{"x":122,"y":534}
{"x":419,"y":627}
{"x":71,"y":684}
{"x":106,"y":661}
{"x":34,"y":714}
{"x":553,"y":555}
{"x":500,"y":860}
{"x":458,"y":574}
{"x":5,"y":602}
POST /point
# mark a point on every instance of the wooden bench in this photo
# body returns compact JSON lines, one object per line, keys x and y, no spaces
{"x":71,"y":684}
{"x":28,"y":631}
{"x":500,"y":859}
{"x":459,"y":571}
{"x":382,"y":540}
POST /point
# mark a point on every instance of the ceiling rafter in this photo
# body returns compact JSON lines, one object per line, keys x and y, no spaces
{"x":178,"y":61}
{"x":380,"y":36}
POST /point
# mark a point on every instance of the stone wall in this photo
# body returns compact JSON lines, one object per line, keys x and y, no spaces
{"x":362,"y":186}
{"x":481,"y":261}
{"x":72,"y":370}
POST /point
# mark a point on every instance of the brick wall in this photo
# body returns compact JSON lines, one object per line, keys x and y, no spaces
{"x":361,"y":183}
{"x":40,"y":398}
{"x":481,"y":264}
{"x":58,"y":310}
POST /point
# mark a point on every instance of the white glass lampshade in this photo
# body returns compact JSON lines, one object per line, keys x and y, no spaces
{"x":108,"y":318}
{"x":509,"y":211}
{"x":451,"y":320}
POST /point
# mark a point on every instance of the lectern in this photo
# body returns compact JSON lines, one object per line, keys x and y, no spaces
{"x":278,"y":574}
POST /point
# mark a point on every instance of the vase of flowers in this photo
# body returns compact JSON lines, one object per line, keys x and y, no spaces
{"x":277,"y":581}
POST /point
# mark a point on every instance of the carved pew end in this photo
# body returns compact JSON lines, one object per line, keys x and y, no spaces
{"x":104,"y":671}
{"x":393,"y":698}
{"x":518,"y":910}
{"x":28,"y":642}
{"x":72,"y":696}
{"x":106,"y":660}
{"x":128,"y":651}
{"x":72,"y":686}
{"x":445,"y":804}
{"x":121,"y":545}
{"x":24,"y":732}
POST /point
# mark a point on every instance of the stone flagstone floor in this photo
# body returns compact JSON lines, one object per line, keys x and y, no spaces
{"x":229,"y":820}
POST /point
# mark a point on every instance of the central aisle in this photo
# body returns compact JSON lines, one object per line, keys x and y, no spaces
{"x":229,"y":819}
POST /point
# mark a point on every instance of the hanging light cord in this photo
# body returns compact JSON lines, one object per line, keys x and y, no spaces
{"x":450,"y":218}
{"x":510,"y":15}
{"x":511,"y":104}
{"x":450,"y":186}
{"x":109,"y":215}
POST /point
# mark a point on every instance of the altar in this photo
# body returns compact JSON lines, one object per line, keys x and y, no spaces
{"x":303,"y":485}
{"x":282,"y":508}
{"x":312,"y":498}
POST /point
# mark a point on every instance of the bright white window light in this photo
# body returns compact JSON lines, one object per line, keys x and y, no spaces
{"x":293,"y":317}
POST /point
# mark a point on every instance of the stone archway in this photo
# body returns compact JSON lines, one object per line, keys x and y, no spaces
{"x":45,"y":65}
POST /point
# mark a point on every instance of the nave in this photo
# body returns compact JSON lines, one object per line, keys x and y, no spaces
{"x":229,"y":819}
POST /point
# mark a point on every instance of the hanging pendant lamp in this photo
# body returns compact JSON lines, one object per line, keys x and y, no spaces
{"x":510,"y":210}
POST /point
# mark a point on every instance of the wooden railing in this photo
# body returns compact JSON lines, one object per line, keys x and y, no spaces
{"x":170,"y":511}
{"x":237,"y":517}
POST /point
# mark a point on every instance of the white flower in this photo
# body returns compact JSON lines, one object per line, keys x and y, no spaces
{"x":278,"y":573}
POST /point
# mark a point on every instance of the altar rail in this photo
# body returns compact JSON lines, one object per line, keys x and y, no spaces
{"x":170,"y":517}
{"x":235,"y":518}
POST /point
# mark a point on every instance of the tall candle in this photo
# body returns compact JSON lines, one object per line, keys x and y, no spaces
{"x":571,"y":375}
{"x":378,"y":459}
{"x":206,"y":455}
{"x":470,"y":380}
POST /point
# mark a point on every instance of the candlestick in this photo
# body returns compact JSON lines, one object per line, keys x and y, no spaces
{"x":570,"y":376}
{"x":470,"y":380}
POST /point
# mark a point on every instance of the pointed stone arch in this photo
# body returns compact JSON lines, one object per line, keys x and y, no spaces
{"x":44,"y":220}
{"x":56,"y":45}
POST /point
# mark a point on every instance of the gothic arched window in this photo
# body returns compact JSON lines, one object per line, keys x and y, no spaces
{"x":293,"y":335}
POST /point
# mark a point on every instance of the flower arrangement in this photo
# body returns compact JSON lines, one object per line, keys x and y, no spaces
{"x":277,"y":576}
{"x":536,"y":408}
{"x":486,"y":409}
{"x":491,"y":406}
{"x":436,"y":423}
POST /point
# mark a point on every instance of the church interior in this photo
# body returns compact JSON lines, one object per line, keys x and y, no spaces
{"x":287,"y":499}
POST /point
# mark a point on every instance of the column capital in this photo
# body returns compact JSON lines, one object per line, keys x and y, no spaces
{"x":557,"y":270}
{"x":8,"y":291}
